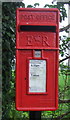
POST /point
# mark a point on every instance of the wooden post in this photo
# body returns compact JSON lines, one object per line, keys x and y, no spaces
{"x":35,"y":115}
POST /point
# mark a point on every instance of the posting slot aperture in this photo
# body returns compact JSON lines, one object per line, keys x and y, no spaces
{"x":37,"y":28}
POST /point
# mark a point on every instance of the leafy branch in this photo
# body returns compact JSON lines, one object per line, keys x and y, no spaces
{"x":64,"y":101}
{"x":64,"y":114}
{"x":64,"y":59}
{"x":65,"y":28}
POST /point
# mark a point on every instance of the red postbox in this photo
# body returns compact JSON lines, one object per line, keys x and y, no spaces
{"x":37,"y":50}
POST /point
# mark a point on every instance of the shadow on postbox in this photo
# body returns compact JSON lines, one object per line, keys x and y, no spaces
{"x":37,"y":50}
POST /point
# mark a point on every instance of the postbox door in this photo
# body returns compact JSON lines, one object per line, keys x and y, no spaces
{"x":44,"y":97}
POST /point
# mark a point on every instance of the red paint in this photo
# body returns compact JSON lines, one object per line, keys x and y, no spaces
{"x":37,"y":29}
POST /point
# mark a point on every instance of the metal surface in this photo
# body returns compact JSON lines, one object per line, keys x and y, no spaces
{"x":37,"y":33}
{"x":35,"y":115}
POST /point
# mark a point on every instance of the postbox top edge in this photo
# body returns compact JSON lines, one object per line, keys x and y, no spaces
{"x":39,"y":9}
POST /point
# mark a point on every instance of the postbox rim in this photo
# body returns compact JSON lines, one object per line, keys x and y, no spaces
{"x":39,"y":9}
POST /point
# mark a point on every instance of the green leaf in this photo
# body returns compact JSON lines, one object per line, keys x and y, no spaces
{"x":29,"y":6}
{"x":36,"y":4}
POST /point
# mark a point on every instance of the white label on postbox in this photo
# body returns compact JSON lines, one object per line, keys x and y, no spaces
{"x":37,"y":76}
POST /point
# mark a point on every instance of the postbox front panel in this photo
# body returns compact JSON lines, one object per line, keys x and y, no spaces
{"x":37,"y":59}
{"x":43,"y":92}
{"x":37,"y":39}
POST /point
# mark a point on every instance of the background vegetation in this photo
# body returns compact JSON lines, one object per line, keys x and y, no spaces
{"x":8,"y":83}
